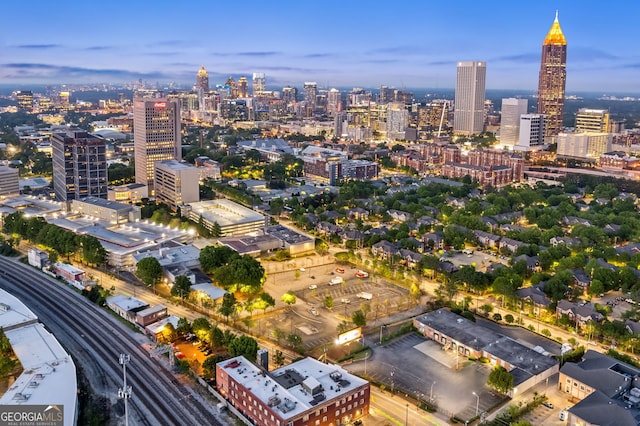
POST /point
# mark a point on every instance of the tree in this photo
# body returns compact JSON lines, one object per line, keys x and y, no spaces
{"x":264,"y":302}
{"x":596,"y":287}
{"x":182,"y":287}
{"x":212,"y":257}
{"x":92,"y":250}
{"x":359,"y":318}
{"x":200,"y":327}
{"x":169,"y":333}
{"x":5,"y":344}
{"x":295,"y":342}
{"x":501,"y":380}
{"x":289,"y":298}
{"x":244,"y":273}
{"x":245,"y":346}
{"x":149,"y":270}
{"x":415,"y":291}
{"x":184,"y":326}
{"x":209,"y":366}
{"x":278,"y":358}
{"x":328,"y":302}
{"x":278,"y":334}
{"x":216,"y":338}
{"x":228,"y":305}
{"x":509,"y":318}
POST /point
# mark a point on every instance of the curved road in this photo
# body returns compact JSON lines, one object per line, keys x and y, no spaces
{"x":95,"y":340}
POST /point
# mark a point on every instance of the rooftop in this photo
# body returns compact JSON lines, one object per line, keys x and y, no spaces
{"x":295,"y":388}
{"x":49,"y":375}
{"x":126,"y":303}
{"x":225,"y":212}
{"x":287,"y":235}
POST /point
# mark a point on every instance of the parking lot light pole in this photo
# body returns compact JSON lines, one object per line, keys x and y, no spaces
{"x":431,"y":393}
{"x":406,"y":417}
{"x":477,"y":402}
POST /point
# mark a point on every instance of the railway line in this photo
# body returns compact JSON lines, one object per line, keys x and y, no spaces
{"x":95,"y":340}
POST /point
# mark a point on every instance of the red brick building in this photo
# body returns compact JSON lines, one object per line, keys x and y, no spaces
{"x":305,"y":393}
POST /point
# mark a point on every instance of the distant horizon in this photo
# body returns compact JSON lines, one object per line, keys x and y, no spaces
{"x":406,"y":44}
{"x":7,"y":89}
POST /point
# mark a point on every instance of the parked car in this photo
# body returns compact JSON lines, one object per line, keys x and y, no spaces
{"x":314,"y":311}
{"x":336,"y":280}
{"x":345,"y":300}
{"x":340,"y":270}
{"x":313,"y":287}
{"x":547,"y":404}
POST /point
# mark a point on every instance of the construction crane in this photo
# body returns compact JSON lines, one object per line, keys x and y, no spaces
{"x":445,"y":107}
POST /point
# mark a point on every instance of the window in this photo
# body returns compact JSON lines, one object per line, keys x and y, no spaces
{"x":305,"y":418}
{"x":337,"y":413}
{"x":324,"y":419}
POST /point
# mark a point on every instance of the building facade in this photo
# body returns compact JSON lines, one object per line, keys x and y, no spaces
{"x":176,"y":183}
{"x":553,"y":78}
{"x":79,"y":165}
{"x":592,"y":120}
{"x":304,"y":393}
{"x":512,"y":110}
{"x":586,"y":146}
{"x":468,"y":118}
{"x":9,"y":181}
{"x":532,"y":129}
{"x":156,"y":135}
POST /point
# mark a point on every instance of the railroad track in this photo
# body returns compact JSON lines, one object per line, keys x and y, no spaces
{"x":95,"y":340}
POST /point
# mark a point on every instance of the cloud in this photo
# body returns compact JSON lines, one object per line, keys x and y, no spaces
{"x":318,"y":55}
{"x":38,"y":46}
{"x":97,"y":48}
{"x":381,"y":61}
{"x":585,"y":53}
{"x":257,"y":53}
{"x":50,"y":71}
{"x":526,"y":58}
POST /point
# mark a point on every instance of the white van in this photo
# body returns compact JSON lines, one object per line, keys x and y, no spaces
{"x":563,"y":415}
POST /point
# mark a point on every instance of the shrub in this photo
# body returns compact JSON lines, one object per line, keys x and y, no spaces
{"x":497,"y":317}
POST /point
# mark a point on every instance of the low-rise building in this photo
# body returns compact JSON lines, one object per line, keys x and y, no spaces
{"x":70,"y":274}
{"x":232,"y":218}
{"x":110,"y":211}
{"x":129,"y":193}
{"x":38,"y":258}
{"x":467,"y":338}
{"x":304,"y":393}
{"x":608,"y":390}
{"x":126,"y":306}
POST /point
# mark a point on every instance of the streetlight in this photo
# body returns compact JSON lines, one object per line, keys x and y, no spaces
{"x":125,"y":391}
{"x":477,"y":402}
{"x":406,"y":417}
{"x":431,"y":393}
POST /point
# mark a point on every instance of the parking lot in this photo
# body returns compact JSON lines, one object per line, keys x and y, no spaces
{"x":405,"y":364}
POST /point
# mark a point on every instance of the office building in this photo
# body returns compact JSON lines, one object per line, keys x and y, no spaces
{"x":593,"y":120}
{"x":79,"y":165}
{"x":259,"y":83}
{"x":310,"y":94}
{"x":202,"y":80}
{"x":9,"y":181}
{"x":176,"y":183}
{"x":243,"y":87}
{"x":334,"y":102}
{"x":585,"y":146}
{"x":25,"y":100}
{"x":468,"y":118}
{"x":289,"y":94}
{"x":304,"y":393}
{"x":156,"y":135}
{"x":531,"y":130}
{"x":397,"y":120}
{"x":232,"y":218}
{"x":512,"y":110}
{"x":553,"y":78}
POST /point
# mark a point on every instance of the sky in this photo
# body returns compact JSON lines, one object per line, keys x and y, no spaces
{"x":347,"y":43}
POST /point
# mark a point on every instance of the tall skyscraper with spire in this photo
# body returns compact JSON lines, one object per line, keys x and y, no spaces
{"x":553,"y":78}
{"x":202,"y":80}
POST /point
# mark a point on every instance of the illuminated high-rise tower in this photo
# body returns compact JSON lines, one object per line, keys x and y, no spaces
{"x":553,"y":78}
{"x":243,"y":87}
{"x":468,"y":118}
{"x":156,"y":135}
{"x":202,"y":80}
{"x":259,"y":83}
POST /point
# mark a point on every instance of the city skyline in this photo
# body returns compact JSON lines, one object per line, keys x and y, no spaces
{"x":342,"y":44}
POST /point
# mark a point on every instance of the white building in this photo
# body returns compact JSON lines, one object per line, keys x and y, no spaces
{"x":512,"y":110}
{"x":9,"y":181}
{"x":468,"y":118}
{"x":397,"y":120}
{"x":176,"y":183}
{"x":532,"y":127}
{"x":48,"y":377}
{"x":588,"y":146}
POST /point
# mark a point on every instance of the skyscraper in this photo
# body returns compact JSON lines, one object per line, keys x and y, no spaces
{"x":156,"y":135}
{"x":79,"y":165}
{"x":512,"y":109}
{"x":202,"y":80}
{"x":243,"y":87}
{"x":531,"y":132}
{"x":553,"y":78}
{"x":468,"y":118}
{"x":259,"y":83}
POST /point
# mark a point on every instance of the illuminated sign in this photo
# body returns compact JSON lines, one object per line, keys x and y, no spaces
{"x":159,"y":105}
{"x":350,"y":336}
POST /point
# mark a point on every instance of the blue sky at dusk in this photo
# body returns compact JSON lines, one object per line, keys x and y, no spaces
{"x":346,"y":43}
